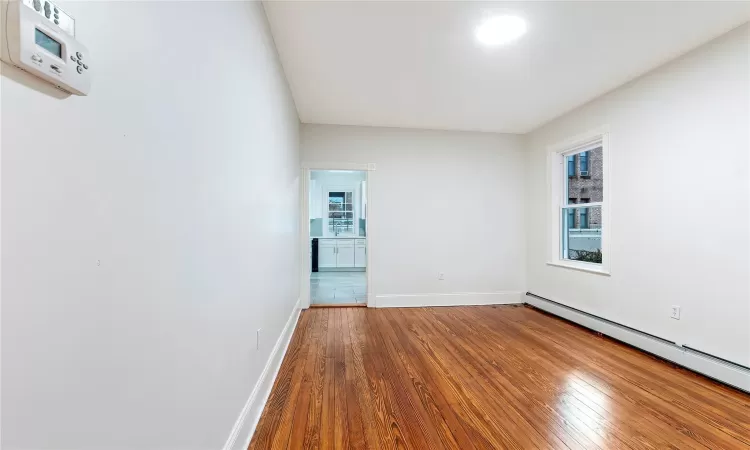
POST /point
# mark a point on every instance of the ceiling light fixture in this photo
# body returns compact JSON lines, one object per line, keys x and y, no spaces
{"x":500,"y":30}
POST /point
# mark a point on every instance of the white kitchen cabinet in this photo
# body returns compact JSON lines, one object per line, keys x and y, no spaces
{"x":360,"y":253}
{"x":342,"y":253}
{"x":326,"y":253}
{"x":345,"y":253}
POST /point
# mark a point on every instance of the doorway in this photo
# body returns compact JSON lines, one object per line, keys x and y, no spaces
{"x":337,"y":206}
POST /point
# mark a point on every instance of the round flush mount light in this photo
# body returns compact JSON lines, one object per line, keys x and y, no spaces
{"x":498,"y":30}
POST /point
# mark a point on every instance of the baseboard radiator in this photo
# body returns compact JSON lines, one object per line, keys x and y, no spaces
{"x":721,"y":370}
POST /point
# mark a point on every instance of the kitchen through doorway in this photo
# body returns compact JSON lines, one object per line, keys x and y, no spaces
{"x":338,"y":237}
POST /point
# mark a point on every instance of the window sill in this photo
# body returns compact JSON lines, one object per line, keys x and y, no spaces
{"x":583,"y":267}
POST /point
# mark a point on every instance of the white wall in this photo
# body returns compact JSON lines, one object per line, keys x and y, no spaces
{"x":159,"y":174}
{"x":441,"y":202}
{"x":679,"y":202}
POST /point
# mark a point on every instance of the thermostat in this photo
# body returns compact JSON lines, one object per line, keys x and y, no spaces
{"x":39,"y":38}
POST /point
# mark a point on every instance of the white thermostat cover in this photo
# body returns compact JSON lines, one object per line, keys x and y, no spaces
{"x":40,"y":38}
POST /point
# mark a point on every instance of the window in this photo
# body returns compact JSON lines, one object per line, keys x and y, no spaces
{"x":579,"y":233}
{"x":584,"y":218}
{"x":340,"y":212}
{"x":583,"y":157}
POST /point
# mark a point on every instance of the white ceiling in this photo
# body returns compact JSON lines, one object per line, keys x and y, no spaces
{"x":418,"y":64}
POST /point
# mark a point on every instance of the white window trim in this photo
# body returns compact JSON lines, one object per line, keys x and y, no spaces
{"x":557,"y":182}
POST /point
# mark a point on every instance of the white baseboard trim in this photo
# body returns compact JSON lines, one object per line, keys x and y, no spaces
{"x":450,"y":299}
{"x":245,"y":425}
{"x":720,"y":370}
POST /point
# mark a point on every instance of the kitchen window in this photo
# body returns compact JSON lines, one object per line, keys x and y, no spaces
{"x":340,"y":212}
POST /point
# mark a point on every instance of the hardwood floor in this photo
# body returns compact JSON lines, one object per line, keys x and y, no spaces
{"x":487,"y":377}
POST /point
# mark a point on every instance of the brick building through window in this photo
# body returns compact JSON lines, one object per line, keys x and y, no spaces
{"x":585,"y":185}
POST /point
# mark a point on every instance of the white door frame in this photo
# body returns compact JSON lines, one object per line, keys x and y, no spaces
{"x":304,"y":236}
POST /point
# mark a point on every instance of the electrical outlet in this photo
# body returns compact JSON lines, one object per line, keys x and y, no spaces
{"x":441,"y":276}
{"x":257,"y":339}
{"x":675,"y":312}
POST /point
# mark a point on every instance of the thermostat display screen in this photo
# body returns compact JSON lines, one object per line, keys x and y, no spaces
{"x":48,"y":43}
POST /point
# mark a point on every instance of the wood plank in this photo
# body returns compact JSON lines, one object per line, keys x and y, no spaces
{"x":354,"y":413}
{"x":327,"y":419}
{"x":281,"y":395}
{"x":646,"y":389}
{"x":565,"y":418}
{"x":390,"y":422}
{"x":305,"y":409}
{"x":311,"y":435}
{"x":342,"y":433}
{"x":579,"y":414}
{"x":299,"y":390}
{"x":425,"y":406}
{"x":356,"y":369}
{"x":485,"y":377}
{"x":400,"y":388}
{"x":517,"y":427}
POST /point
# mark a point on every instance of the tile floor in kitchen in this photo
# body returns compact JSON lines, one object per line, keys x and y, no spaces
{"x":328,"y":288}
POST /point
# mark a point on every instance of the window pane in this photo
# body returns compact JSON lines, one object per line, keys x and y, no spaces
{"x":589,"y":185}
{"x":584,"y":159}
{"x":582,"y":234}
{"x":348,"y":197}
{"x":348,"y":207}
{"x":335,"y":201}
{"x":571,"y":166}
